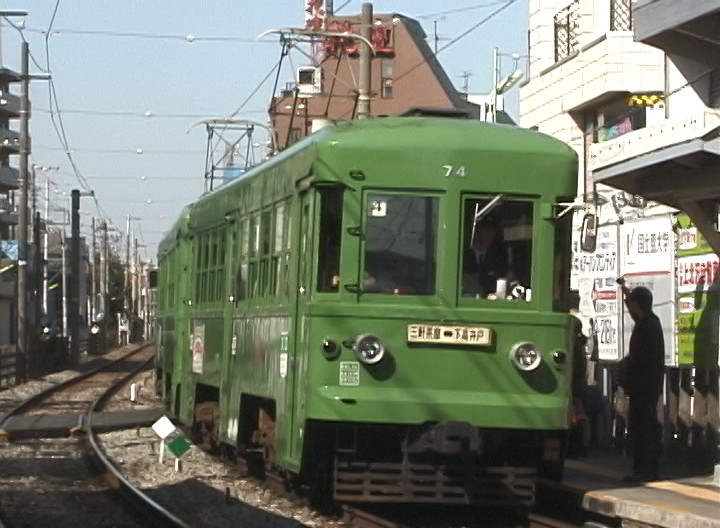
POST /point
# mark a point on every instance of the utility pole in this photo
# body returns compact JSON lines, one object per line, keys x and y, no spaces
{"x":495,"y":76}
{"x":45,"y":249}
{"x":65,"y":285}
{"x":436,"y":38}
{"x":364,"y":82}
{"x":126,"y":289}
{"x":103,"y":270}
{"x":74,"y":308}
{"x":37,"y":284}
{"x":466,"y":74}
{"x":22,"y":237}
{"x":135,"y":276}
{"x":93,"y":284}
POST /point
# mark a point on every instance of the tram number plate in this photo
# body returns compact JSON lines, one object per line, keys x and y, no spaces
{"x":451,"y":335}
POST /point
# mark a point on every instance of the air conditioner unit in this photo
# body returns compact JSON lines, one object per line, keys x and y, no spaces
{"x":309,"y":80}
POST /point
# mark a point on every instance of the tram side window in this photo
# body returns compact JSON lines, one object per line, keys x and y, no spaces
{"x":278,"y":250}
{"x":242,"y":269}
{"x":254,"y":264}
{"x":330,"y":239}
{"x":400,"y":244}
{"x":204,"y":288}
{"x":563,"y":256}
{"x":497,"y":249}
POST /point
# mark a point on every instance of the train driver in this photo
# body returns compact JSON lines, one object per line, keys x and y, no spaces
{"x":485,"y":259}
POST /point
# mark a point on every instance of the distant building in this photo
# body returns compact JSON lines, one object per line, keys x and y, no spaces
{"x":9,"y":145}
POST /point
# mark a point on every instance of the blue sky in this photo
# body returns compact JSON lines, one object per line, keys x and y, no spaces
{"x":104,"y":73}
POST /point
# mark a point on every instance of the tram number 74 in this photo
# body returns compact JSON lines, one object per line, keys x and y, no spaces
{"x":452,"y":170}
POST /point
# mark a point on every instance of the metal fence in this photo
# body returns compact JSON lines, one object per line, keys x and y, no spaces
{"x":566,"y":30}
{"x":621,"y":15}
{"x":8,"y":366}
{"x":688,"y":411}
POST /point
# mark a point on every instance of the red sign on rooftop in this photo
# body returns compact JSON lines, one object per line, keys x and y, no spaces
{"x":380,"y":36}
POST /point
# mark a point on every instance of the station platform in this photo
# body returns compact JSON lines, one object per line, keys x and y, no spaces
{"x":49,"y":425}
{"x":594,"y":485}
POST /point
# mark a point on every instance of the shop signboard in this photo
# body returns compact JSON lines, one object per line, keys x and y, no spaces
{"x":697,"y":288}
{"x":599,"y":294}
{"x":646,"y":259}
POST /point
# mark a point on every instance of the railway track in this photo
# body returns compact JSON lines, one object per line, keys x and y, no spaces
{"x":74,"y":479}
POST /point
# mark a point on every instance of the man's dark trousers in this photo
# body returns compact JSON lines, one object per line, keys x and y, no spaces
{"x":645,"y":434}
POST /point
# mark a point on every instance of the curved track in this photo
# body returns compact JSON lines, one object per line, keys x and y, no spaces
{"x":74,"y":479}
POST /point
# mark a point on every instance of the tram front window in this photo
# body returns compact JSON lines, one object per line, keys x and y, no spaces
{"x":400,"y":244}
{"x":497,"y":248}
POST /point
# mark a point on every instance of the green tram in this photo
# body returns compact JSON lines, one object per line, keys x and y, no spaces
{"x":379,"y":312}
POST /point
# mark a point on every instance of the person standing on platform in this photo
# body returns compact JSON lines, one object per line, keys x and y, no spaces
{"x":642,"y":380}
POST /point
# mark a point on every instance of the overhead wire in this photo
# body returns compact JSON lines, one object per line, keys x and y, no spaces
{"x":138,"y":152}
{"x":189,"y":37}
{"x":457,"y":39}
{"x":19,"y":29}
{"x":462,"y":9}
{"x":144,"y":114}
{"x":59,"y":126}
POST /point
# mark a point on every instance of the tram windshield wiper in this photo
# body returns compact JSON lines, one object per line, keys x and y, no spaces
{"x":482,"y":213}
{"x":492,"y":204}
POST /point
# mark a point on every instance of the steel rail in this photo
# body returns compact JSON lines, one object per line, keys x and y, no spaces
{"x":138,"y":500}
{"x":115,"y":478}
{"x":42,"y":395}
{"x":358,"y":518}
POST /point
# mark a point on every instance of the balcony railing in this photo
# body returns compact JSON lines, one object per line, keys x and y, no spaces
{"x":566,"y":30}
{"x":621,"y":15}
{"x":648,"y":139}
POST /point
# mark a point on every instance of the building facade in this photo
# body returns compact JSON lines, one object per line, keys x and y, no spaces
{"x":9,"y":146}
{"x":634,"y":88}
{"x":613,"y":99}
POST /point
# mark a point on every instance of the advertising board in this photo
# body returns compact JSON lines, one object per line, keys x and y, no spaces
{"x":646,"y":259}
{"x":599,"y":294}
{"x":697,"y":288}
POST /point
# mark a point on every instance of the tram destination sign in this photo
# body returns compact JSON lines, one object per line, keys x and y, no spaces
{"x":449,"y":335}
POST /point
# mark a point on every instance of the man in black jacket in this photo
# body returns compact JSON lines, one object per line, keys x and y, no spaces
{"x":642,"y":381}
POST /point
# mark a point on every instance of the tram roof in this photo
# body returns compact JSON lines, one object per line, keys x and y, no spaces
{"x":171,"y":236}
{"x":395,"y":133}
{"x":392,"y":133}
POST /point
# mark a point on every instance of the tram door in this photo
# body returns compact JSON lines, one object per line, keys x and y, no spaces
{"x":299,"y":343}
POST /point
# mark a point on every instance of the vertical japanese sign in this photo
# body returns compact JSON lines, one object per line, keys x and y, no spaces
{"x":698,"y":297}
{"x":599,"y":294}
{"x":197,"y":348}
{"x":315,"y":13}
{"x":646,"y":259}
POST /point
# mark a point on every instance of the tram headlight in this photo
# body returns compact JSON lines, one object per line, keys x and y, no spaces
{"x":369,"y":349}
{"x":525,"y":356}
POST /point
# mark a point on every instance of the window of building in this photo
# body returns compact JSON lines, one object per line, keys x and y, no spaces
{"x":497,"y":248}
{"x":566,"y":30}
{"x":400,"y":244}
{"x":624,"y":115}
{"x":715,"y":88}
{"x":621,"y":15}
{"x":386,"y":78}
{"x":330,"y":238}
